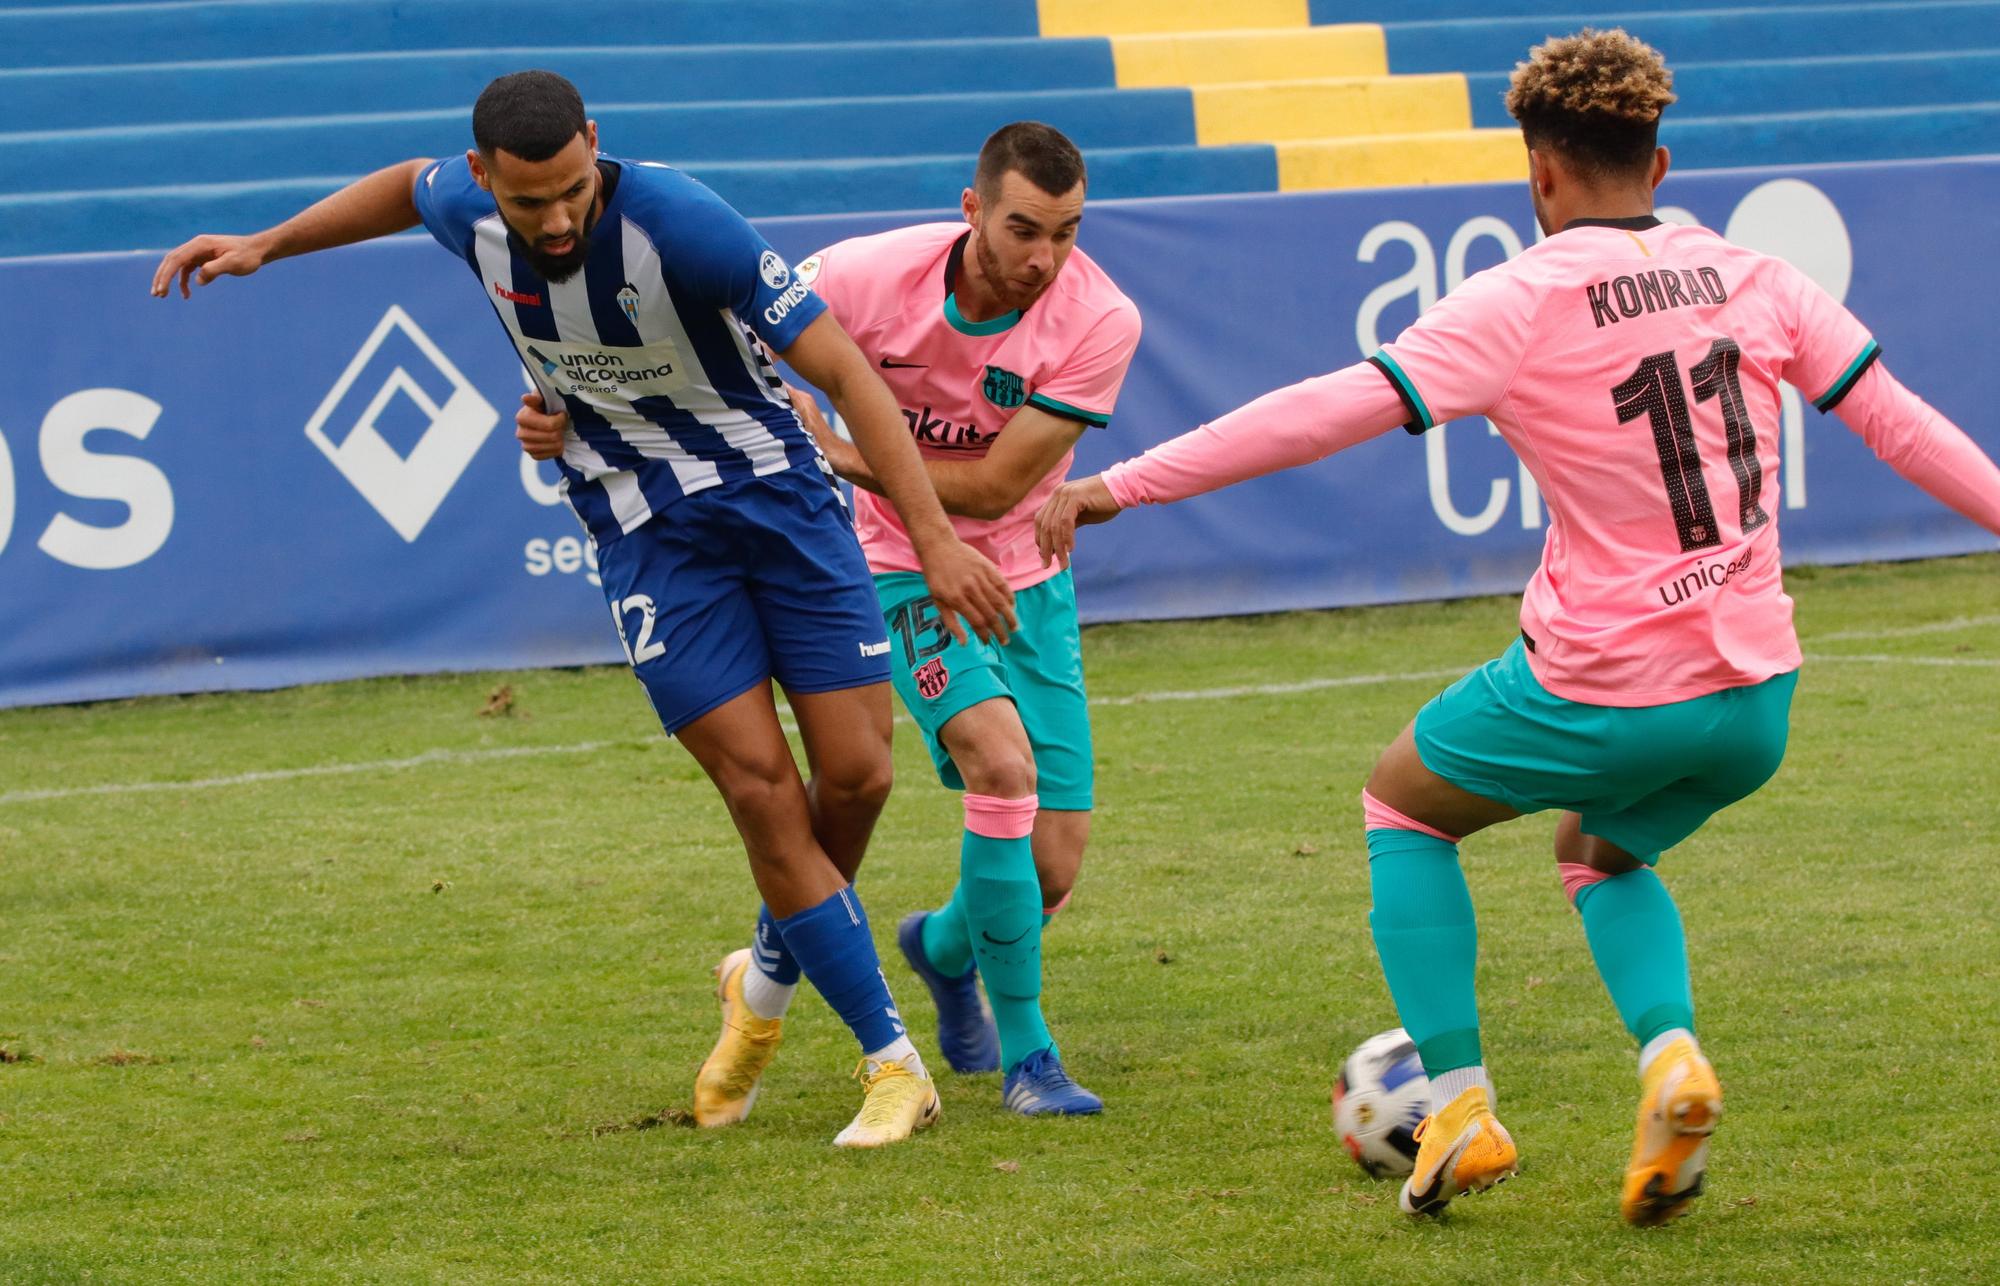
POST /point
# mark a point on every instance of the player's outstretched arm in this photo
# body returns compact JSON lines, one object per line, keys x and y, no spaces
{"x":1294,"y":425}
{"x":1911,"y":437}
{"x":962,"y":581}
{"x":1074,"y":504}
{"x":375,"y":206}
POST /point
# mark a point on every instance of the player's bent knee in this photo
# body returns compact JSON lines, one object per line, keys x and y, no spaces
{"x":1006,"y":775}
{"x":864,"y":780}
{"x":754,"y":788}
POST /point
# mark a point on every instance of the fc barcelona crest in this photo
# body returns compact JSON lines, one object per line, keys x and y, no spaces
{"x":1004,"y":388}
{"x":932,"y":678}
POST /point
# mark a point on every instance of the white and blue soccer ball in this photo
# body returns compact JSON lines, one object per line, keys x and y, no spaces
{"x":1380,"y":1098}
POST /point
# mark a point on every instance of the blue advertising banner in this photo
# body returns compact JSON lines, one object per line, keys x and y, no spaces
{"x":311,"y":474}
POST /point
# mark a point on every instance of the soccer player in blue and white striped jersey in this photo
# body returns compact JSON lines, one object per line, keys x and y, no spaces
{"x":649,"y":311}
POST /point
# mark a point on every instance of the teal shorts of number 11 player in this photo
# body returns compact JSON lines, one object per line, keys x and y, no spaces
{"x":1039,"y":669}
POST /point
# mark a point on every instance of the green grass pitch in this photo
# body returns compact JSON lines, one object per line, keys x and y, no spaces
{"x":433,"y":1022}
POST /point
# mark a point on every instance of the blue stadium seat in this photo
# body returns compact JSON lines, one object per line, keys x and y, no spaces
{"x":1793,"y":84}
{"x":160,"y":155}
{"x":1711,"y":35}
{"x":331,"y":84}
{"x":134,"y":124}
{"x":87,"y":35}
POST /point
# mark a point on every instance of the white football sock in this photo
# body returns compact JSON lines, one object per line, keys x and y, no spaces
{"x":1446,"y":1086}
{"x":766,"y":997}
{"x":899,"y":1050}
{"x":1658,"y":1045}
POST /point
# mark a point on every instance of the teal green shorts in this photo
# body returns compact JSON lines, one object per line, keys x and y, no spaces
{"x":1643,"y":777}
{"x":1040,"y":670}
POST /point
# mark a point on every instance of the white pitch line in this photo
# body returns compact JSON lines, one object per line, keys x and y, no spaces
{"x":1281,"y":689}
{"x":434,"y":757}
{"x":1907,"y":631}
{"x":424,"y":760}
{"x":1976,"y":662}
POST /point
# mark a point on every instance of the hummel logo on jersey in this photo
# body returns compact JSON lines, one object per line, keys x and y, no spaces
{"x":888,"y":365}
{"x":875,"y":649}
{"x":515,"y":296}
{"x":405,"y":373}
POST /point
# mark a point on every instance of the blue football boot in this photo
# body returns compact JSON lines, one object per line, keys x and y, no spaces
{"x":966,"y":1035}
{"x":1038,"y":1086}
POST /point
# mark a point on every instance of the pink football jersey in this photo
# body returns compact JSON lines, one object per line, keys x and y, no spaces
{"x":1634,"y":366}
{"x":959,"y":382}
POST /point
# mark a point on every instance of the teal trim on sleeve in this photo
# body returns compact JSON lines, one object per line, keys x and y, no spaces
{"x":1051,"y":405}
{"x":1863,"y":360}
{"x":1003,"y":322}
{"x":1421,"y":417}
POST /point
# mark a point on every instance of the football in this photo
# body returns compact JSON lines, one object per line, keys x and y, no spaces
{"x":1380,"y":1097}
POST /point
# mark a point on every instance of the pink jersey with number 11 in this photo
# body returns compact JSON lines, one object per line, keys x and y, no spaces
{"x":959,"y":382}
{"x":1634,"y":366}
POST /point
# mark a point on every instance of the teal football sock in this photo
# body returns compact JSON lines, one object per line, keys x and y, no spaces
{"x":1002,"y":900}
{"x":1641,"y":951}
{"x":947,"y":942}
{"x":1428,"y":940}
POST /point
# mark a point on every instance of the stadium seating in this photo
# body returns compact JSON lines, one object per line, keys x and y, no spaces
{"x":130,"y":124}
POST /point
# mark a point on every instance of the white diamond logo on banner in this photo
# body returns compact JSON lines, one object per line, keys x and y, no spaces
{"x":405,"y":489}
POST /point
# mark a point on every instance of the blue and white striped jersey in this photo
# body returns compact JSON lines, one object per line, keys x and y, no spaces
{"x":660,"y":349}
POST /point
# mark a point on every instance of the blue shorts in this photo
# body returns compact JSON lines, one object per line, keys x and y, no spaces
{"x":1643,"y":777}
{"x":744,"y":582}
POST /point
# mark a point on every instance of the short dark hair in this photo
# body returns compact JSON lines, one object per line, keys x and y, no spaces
{"x":1596,"y":97}
{"x":531,"y":114}
{"x":1039,"y":153}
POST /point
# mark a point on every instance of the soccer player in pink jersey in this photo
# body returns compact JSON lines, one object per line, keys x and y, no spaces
{"x":1634,"y":366}
{"x":1003,"y":344}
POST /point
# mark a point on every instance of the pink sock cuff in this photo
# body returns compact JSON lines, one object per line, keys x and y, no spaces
{"x":1577,"y":877}
{"x":1378,"y":816}
{"x":1001,"y":818}
{"x":1060,"y":903}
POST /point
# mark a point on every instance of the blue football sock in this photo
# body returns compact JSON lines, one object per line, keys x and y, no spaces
{"x":833,"y":948}
{"x":770,"y":954}
{"x":1428,"y":940}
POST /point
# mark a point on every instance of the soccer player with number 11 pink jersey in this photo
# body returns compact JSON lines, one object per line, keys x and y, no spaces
{"x":1634,"y":366}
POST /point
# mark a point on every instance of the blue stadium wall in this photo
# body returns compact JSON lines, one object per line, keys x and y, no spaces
{"x":311,"y":475}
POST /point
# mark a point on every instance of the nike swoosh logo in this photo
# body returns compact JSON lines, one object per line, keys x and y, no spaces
{"x":1006,"y":942}
{"x":888,"y":365}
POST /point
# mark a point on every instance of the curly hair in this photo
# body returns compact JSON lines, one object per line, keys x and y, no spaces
{"x":1595,"y":96}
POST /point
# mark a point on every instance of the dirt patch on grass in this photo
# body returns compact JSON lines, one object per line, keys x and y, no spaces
{"x":676,"y":1117}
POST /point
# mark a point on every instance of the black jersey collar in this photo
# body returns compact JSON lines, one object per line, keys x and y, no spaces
{"x":1636,"y":223}
{"x":954,"y":261}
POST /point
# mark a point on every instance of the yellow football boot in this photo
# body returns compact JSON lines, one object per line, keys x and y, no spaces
{"x":1678,"y":1109}
{"x":726,"y":1087}
{"x":1461,"y":1149}
{"x":900,"y":1102}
